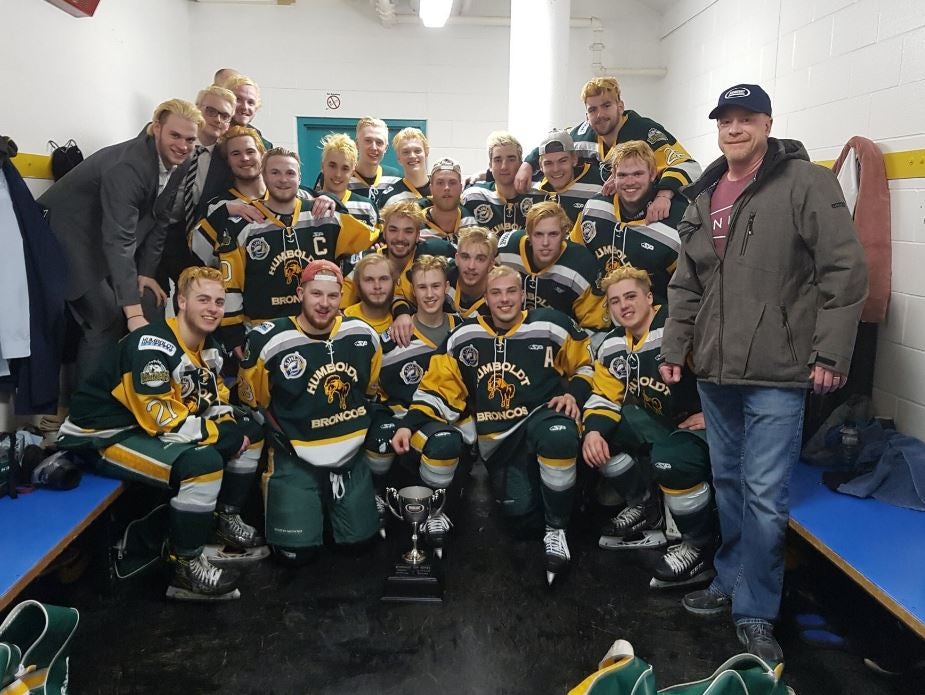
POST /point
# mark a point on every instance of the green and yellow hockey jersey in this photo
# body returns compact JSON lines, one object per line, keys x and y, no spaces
{"x":586,"y":184}
{"x":210,"y":232}
{"x":404,"y":367}
{"x":465,"y":306}
{"x":432,"y":230}
{"x":385,"y":176}
{"x":316,"y":391}
{"x":262,"y":262}
{"x":402,"y":189}
{"x":153,"y":381}
{"x":626,"y":371}
{"x":493,"y":211}
{"x":569,"y":284}
{"x":618,"y":240}
{"x":500,"y":377}
{"x":675,"y":165}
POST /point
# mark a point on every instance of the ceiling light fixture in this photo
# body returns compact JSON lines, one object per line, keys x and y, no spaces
{"x":434,"y":13}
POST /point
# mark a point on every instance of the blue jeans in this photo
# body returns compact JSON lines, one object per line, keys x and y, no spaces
{"x":754,"y":433}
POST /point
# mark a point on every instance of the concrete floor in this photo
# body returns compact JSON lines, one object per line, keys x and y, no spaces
{"x":323,"y":629}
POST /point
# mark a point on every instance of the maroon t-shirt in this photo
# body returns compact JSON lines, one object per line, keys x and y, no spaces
{"x":724,"y":195}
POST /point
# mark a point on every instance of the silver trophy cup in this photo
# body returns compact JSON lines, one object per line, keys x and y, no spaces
{"x":415,"y":504}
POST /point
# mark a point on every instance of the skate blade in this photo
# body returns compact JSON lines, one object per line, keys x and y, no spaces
{"x":220,"y":557}
{"x":438,"y":552}
{"x":650,"y":539}
{"x":382,"y":532}
{"x":550,"y":577}
{"x":700,"y":578}
{"x":179,"y":594}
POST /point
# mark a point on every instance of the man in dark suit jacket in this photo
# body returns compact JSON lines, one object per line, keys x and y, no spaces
{"x":208,"y":178}
{"x":110,"y":213}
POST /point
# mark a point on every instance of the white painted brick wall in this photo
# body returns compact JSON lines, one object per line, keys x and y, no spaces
{"x":834,"y":68}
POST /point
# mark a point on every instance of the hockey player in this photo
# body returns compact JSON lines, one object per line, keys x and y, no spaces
{"x":412,"y":148}
{"x":158,"y":413}
{"x":375,"y":287}
{"x":372,"y":139}
{"x":338,"y":158}
{"x":496,"y":205}
{"x":437,"y":445}
{"x":565,"y":181}
{"x":468,"y":275}
{"x":630,"y":410}
{"x":509,"y":370}
{"x":609,"y":123}
{"x":614,"y":228}
{"x":444,"y":214}
{"x":313,"y":375}
{"x":244,"y":152}
{"x":556,"y":273}
{"x":262,"y":261}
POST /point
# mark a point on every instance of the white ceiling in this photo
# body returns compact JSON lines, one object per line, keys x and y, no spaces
{"x":502,"y":8}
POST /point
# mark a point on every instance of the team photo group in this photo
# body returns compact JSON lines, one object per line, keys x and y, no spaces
{"x":598,"y":321}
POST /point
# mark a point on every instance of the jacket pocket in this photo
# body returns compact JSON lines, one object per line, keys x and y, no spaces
{"x":783,"y":313}
{"x":749,"y":230}
{"x":771,"y":355}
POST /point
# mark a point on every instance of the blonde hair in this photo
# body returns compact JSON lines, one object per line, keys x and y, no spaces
{"x":544,"y":210}
{"x":503,"y":271}
{"x":502,"y":137}
{"x":427,"y":262}
{"x":478,"y":235}
{"x":339,"y":142}
{"x":410,"y":134}
{"x":402,"y":208}
{"x":370,"y":122}
{"x":368,"y":260}
{"x":280,"y":152}
{"x":242,"y":131}
{"x":194,"y":273}
{"x":235,"y":81}
{"x":180,"y":107}
{"x":626,"y":272}
{"x":216,"y":91}
{"x":597,"y":86}
{"x":630,"y":149}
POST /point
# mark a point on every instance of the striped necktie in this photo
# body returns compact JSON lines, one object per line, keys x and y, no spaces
{"x":189,"y":184}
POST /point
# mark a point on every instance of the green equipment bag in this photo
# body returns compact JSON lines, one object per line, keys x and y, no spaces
{"x":34,"y":639}
{"x":621,"y":672}
{"x":10,"y":683}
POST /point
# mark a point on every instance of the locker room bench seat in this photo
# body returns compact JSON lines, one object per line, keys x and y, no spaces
{"x":881,"y":547}
{"x":37,"y":526}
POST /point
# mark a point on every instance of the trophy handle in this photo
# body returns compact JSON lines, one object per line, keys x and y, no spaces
{"x":390,"y":493}
{"x":441,"y":495}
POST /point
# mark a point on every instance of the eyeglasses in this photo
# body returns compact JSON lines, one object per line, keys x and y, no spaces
{"x":215,"y":113}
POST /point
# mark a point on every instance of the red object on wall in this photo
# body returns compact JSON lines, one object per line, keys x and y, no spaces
{"x":77,"y":8}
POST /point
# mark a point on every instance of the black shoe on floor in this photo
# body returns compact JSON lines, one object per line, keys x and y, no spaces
{"x":706,"y":602}
{"x":758,"y":639}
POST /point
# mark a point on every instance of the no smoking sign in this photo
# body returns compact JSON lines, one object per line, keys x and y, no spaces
{"x":332,"y":101}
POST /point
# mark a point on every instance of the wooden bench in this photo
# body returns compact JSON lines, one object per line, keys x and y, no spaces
{"x":37,"y":526}
{"x":881,"y":547}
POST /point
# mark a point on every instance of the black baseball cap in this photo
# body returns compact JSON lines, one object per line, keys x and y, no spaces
{"x":748,"y":96}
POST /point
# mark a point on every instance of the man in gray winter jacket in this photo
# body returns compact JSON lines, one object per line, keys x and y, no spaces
{"x":765,"y":304}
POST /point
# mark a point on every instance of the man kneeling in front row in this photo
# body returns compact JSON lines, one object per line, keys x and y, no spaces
{"x":507,"y":371}
{"x":632,"y":412}
{"x":158,"y":413}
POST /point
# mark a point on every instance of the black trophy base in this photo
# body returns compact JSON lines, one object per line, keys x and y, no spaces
{"x":413,"y":584}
